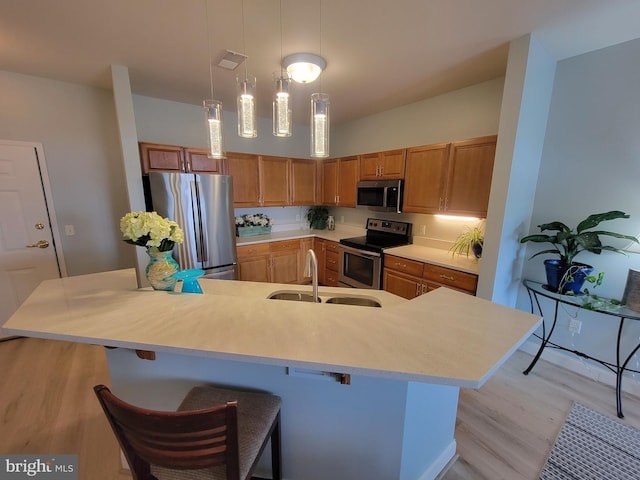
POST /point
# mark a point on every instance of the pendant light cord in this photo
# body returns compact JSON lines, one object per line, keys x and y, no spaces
{"x":280,"y":16}
{"x":206,"y":12}
{"x":320,"y":14}
{"x":244,"y":45}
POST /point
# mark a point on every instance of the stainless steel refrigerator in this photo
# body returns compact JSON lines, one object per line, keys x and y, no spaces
{"x":203,"y":206}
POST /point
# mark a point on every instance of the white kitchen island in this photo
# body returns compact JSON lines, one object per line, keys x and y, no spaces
{"x":406,"y":361}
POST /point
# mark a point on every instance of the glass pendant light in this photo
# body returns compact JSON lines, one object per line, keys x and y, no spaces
{"x":213,"y":109}
{"x":247,"y":107}
{"x":246,"y":97}
{"x":282,"y":106}
{"x":281,"y":98}
{"x":320,"y":125}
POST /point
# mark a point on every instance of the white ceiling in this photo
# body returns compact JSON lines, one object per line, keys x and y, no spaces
{"x":380,"y":53}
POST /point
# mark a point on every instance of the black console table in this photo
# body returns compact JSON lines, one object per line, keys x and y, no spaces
{"x":536,"y":289}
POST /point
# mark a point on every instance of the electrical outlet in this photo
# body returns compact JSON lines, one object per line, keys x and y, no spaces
{"x":297,"y":218}
{"x":575,"y":325}
{"x":423,"y":229}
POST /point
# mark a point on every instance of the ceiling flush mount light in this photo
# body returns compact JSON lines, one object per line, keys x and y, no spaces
{"x":304,"y":67}
{"x":319,"y":125}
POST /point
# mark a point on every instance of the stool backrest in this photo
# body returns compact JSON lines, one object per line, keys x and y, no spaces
{"x":183,"y":440}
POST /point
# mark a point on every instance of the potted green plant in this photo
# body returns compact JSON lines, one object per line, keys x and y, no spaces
{"x":568,"y":243}
{"x":471,"y":239}
{"x":317,"y":217}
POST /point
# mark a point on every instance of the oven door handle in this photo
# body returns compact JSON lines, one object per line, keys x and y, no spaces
{"x":357,"y":251}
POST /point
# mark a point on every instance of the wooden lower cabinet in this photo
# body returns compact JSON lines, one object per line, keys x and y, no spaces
{"x":409,"y":278}
{"x":254,"y":262}
{"x":277,"y":262}
{"x":331,"y":264}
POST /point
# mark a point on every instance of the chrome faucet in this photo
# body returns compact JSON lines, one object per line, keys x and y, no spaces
{"x":311,"y":270}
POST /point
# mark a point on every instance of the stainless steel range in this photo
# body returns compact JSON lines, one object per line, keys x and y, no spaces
{"x":361,"y":258}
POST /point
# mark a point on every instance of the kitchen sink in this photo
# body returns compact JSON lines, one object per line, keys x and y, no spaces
{"x":297,"y":296}
{"x":359,"y":301}
{"x":293,"y":296}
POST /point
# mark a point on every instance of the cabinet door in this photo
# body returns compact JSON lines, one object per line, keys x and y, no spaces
{"x":244,"y":168}
{"x":425,"y":178}
{"x":329,"y":182}
{"x":401,"y":284}
{"x":470,"y":172}
{"x":319,"y":247}
{"x":303,"y":181}
{"x":392,"y":164}
{"x":197,"y":161}
{"x":347,"y":181}
{"x":285,"y":267}
{"x":161,"y":158}
{"x":369,"y":166}
{"x":274,"y":181}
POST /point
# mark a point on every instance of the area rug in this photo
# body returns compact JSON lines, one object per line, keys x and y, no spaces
{"x":592,"y":446}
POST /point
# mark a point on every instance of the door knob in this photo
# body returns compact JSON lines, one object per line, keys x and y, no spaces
{"x":39,"y":226}
{"x":39,"y":244}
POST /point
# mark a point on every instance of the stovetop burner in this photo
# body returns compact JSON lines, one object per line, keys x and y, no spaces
{"x":381,"y":234}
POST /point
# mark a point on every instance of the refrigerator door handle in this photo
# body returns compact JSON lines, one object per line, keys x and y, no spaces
{"x":196,"y":204}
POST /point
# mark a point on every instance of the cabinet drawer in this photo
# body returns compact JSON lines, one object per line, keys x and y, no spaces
{"x":331,"y":278}
{"x":332,"y":246}
{"x":453,"y":278}
{"x":285,"y":245}
{"x":403,"y":265}
{"x":332,"y":261}
{"x":251,"y":250}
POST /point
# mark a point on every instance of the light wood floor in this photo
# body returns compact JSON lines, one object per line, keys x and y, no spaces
{"x":504,"y":430}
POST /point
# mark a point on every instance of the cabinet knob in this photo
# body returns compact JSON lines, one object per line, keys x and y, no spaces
{"x":447,"y":277}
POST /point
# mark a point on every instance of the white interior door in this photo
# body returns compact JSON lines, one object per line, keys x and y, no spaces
{"x":27,"y":248}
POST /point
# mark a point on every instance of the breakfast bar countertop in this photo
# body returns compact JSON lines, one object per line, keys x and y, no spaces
{"x":443,"y":337}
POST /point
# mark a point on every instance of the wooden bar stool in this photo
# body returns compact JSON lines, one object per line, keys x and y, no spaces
{"x":216,"y":433}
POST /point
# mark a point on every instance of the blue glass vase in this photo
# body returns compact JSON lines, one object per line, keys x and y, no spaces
{"x":160,"y":270}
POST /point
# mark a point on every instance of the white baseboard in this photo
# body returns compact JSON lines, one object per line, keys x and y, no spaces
{"x":581,"y":366}
{"x":440,"y":463}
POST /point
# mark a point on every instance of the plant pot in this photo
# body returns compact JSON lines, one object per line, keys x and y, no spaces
{"x":476,"y":248}
{"x":558,"y":273}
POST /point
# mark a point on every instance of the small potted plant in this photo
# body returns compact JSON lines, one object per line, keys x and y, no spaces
{"x":317,"y":217}
{"x":471,"y":239}
{"x":568,"y":243}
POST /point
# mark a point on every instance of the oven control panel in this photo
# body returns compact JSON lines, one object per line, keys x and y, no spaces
{"x":389,"y":226}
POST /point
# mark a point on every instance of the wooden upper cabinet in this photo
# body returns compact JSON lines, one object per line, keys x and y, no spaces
{"x":245,"y":170}
{"x":469,"y":178}
{"x":452,"y":178}
{"x":339,"y":180}
{"x":303,"y":181}
{"x":347,"y":181}
{"x":425,"y":178}
{"x":197,"y":161}
{"x":274,"y":181}
{"x":161,"y":158}
{"x":329,"y":182}
{"x":383,"y":165}
{"x":156,"y":157}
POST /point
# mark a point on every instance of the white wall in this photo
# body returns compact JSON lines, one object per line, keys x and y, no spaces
{"x":76,"y":126}
{"x":591,"y":164}
{"x":466,"y":113}
{"x":164,"y":121}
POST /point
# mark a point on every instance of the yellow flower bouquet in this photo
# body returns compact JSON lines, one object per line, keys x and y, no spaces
{"x":148,"y":229}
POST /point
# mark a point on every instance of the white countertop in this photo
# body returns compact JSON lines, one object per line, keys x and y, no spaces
{"x":443,"y":337}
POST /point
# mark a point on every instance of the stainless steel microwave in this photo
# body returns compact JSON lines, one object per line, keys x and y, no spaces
{"x":380,"y":195}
